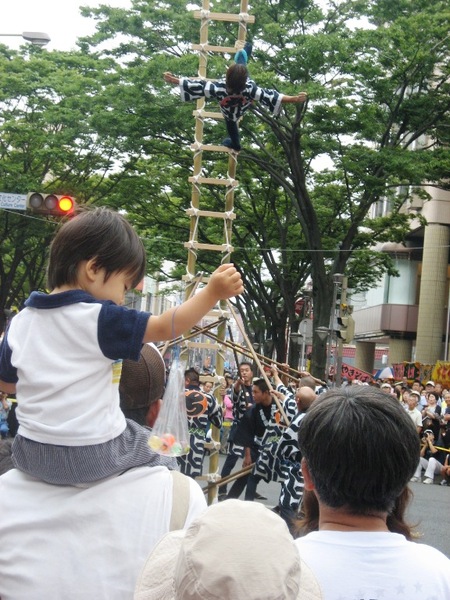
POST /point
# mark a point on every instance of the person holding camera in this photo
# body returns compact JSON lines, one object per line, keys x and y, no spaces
{"x":436,"y":463}
{"x":428,"y":458}
{"x":431,"y":414}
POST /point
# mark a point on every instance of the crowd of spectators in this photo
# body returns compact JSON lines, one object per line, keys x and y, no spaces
{"x":428,"y":405}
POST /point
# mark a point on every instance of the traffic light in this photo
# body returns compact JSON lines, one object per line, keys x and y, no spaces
{"x":50,"y":204}
{"x":346,"y":331}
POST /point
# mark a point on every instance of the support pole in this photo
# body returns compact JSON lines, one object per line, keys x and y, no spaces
{"x":198,"y":180}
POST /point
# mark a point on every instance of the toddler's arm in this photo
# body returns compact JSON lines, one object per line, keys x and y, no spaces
{"x":224,"y":283}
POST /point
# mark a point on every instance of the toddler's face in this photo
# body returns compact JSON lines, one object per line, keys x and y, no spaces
{"x":114,"y":288}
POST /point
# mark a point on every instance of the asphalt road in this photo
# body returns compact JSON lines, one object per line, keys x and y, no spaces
{"x":429,"y":510}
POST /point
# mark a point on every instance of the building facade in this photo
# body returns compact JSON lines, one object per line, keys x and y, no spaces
{"x":410,"y":314}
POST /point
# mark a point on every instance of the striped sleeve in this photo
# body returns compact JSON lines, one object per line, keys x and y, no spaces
{"x":270,"y":99}
{"x":193,"y":89}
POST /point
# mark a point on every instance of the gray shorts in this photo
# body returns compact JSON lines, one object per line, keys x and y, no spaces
{"x":72,"y":465}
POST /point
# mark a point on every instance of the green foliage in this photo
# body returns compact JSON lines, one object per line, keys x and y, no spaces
{"x":102,"y":124}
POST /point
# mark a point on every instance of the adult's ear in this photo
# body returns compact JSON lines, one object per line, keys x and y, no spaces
{"x":309,"y":485}
{"x":153,"y":412}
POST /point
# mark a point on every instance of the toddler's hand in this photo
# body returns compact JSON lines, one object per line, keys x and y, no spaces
{"x":225,"y":282}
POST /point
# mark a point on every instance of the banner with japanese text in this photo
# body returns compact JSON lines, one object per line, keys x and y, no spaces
{"x":353,"y":373}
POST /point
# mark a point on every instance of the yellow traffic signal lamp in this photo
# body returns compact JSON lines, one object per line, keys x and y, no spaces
{"x":50,"y":204}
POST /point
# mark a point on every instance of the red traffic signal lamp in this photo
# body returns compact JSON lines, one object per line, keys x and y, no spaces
{"x":50,"y":204}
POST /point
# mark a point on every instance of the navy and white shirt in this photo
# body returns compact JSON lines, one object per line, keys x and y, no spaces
{"x":202,"y":409}
{"x":64,"y":351}
{"x":268,"y":465}
{"x":232,"y":106}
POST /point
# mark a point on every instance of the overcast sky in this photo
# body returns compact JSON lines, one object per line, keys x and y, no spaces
{"x":61,"y":19}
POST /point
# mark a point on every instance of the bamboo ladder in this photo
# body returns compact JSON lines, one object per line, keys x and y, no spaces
{"x":229,"y":183}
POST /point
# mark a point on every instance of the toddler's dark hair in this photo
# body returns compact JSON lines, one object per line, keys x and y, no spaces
{"x":98,"y":233}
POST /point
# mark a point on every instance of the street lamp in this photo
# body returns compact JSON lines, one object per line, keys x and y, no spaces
{"x":38,"y":38}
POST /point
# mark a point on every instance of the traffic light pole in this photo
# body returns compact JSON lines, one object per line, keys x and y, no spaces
{"x":340,"y":342}
{"x":337,"y":278}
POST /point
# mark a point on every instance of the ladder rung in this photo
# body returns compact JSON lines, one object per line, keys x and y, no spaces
{"x":214,"y":181}
{"x":214,"y":247}
{"x":212,"y":448}
{"x":209,"y":48}
{"x":212,"y":148}
{"x":213,"y":378}
{"x":203,"y":114}
{"x":189,"y":278}
{"x":218,"y":313}
{"x":231,"y":18}
{"x":192,"y":212}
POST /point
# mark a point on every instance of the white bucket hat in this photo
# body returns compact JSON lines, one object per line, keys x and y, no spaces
{"x":235,"y":550}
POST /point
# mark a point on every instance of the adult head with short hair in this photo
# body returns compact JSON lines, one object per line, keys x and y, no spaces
{"x":192,"y":376}
{"x":304,"y":397}
{"x":246,"y":372}
{"x":207,"y":386}
{"x":141,"y":386}
{"x":432,"y":398}
{"x":261,"y":392}
{"x":360,"y":449}
{"x":416,"y":385}
{"x":411,"y":399}
{"x":307,"y":381}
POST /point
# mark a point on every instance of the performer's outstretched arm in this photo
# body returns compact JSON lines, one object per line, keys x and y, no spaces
{"x":302,"y":97}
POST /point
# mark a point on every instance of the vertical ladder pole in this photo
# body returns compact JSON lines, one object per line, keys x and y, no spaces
{"x":229,"y":195}
{"x":198,"y":156}
{"x":197,"y":170}
{"x":228,"y":224}
{"x":197,"y":180}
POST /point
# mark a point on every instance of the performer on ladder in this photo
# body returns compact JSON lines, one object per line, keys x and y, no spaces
{"x":235,"y":93}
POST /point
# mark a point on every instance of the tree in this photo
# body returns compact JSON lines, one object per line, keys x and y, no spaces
{"x":55,"y":138}
{"x":377,"y":77}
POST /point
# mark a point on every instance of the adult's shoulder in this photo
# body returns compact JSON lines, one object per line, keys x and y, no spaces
{"x":123,"y":516}
{"x":136,"y":491}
